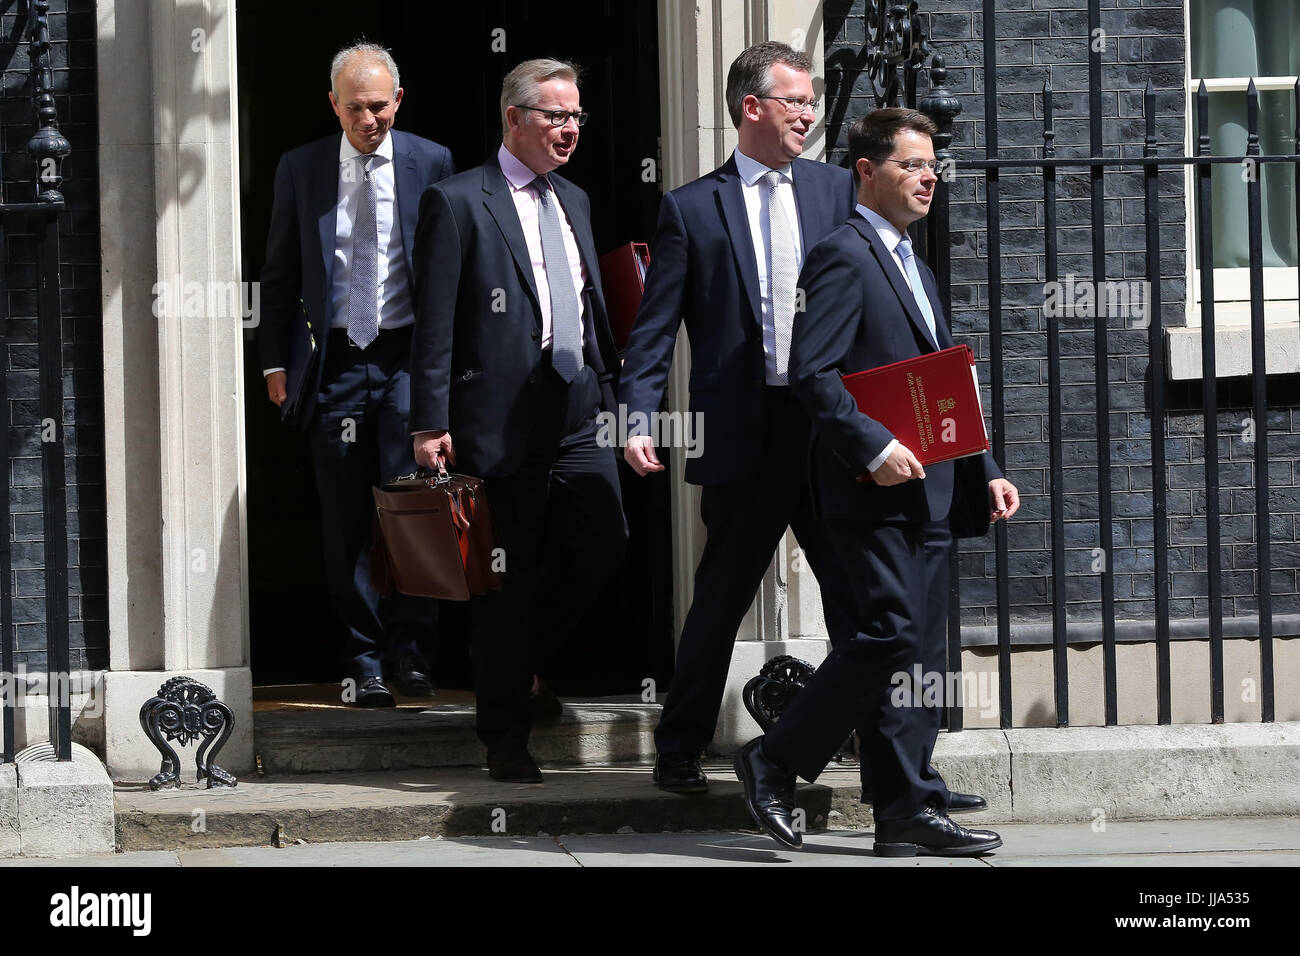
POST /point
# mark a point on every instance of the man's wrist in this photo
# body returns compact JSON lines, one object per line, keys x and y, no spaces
{"x":883,"y":457}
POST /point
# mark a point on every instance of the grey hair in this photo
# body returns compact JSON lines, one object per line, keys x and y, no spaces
{"x":751,"y":73}
{"x":365,"y":52}
{"x":520,"y":84}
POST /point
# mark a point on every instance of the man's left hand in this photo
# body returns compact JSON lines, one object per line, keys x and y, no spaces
{"x":1004,"y":500}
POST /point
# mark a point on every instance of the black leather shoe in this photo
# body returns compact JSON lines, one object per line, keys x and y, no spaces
{"x":543,"y":704}
{"x":931,"y":833}
{"x":513,"y":765}
{"x":769,"y":794}
{"x":680,"y":773}
{"x":373,"y":692}
{"x":411,"y":679}
{"x":965,"y":802}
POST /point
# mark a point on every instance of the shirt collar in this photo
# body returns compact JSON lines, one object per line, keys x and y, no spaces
{"x":385,"y":150}
{"x":888,"y":234}
{"x":751,"y":170}
{"x":517,"y":174}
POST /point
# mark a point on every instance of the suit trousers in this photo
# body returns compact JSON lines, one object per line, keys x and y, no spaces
{"x":899,"y":604}
{"x":745,"y":522}
{"x":359,"y":438}
{"x":559,"y":520}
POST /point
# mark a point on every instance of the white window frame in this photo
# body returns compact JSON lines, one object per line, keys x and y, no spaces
{"x":1231,"y":285}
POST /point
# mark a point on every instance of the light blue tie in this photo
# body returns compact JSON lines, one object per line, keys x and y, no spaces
{"x":918,"y":290}
{"x":566,"y":324}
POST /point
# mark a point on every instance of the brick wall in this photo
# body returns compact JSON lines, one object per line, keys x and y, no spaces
{"x":1039,"y":40}
{"x":72,"y":32}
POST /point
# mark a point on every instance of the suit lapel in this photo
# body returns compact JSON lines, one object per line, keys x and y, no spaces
{"x":812,"y":211}
{"x":500,"y":205}
{"x":732,"y":202}
{"x":932,"y":292}
{"x":567,"y":193}
{"x":406,"y":183}
{"x":890,"y":268}
{"x":324,"y":200}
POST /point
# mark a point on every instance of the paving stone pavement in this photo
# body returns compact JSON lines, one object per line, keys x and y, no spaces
{"x":1230,"y":842}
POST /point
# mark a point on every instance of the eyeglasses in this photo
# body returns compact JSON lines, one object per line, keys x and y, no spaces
{"x":916,"y":165}
{"x":795,"y":104}
{"x":558,"y":117}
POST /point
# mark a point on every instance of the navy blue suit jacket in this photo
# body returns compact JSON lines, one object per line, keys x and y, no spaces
{"x":702,"y":270}
{"x":300,"y":244}
{"x":861,"y":314}
{"x":476,"y":353}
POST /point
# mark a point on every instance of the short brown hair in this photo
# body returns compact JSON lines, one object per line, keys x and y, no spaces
{"x":751,"y":73}
{"x":872,"y":136}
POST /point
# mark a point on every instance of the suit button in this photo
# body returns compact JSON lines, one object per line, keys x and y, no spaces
{"x":537,"y":333}
{"x":532,"y":378}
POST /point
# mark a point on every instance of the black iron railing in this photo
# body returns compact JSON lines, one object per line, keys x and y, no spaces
{"x":47,"y":147}
{"x":897,"y":30}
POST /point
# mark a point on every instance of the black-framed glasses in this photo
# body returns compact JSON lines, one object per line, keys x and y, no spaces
{"x":558,"y":117}
{"x":916,"y":165}
{"x":795,"y":104}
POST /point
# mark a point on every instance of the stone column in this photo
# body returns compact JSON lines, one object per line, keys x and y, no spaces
{"x":697,"y":42}
{"x":173,"y":387}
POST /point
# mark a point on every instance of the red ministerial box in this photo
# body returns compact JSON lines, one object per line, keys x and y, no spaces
{"x":622,"y":274}
{"x":930,"y":403}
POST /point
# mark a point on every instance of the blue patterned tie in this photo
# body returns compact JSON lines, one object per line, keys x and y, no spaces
{"x":918,"y":290}
{"x":363,"y":292}
{"x":566,"y":328}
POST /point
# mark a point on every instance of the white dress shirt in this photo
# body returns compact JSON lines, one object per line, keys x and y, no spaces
{"x":394,"y":285}
{"x":395,"y":308}
{"x":520,"y":178}
{"x":754,"y":191}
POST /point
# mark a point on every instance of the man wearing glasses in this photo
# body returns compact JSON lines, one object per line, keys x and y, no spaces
{"x":726,"y":257}
{"x":889,"y":520}
{"x":511,"y":359}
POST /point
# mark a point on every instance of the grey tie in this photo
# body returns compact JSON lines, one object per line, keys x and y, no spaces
{"x":782,"y":274}
{"x":566,"y":329}
{"x":363,"y":293}
{"x":918,"y":290}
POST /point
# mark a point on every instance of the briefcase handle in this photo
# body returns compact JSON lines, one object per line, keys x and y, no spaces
{"x":425,"y":474}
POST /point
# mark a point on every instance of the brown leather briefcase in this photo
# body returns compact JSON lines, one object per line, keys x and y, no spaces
{"x":433,"y":536}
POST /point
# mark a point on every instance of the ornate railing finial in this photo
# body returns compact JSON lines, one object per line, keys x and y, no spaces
{"x":48,"y":146}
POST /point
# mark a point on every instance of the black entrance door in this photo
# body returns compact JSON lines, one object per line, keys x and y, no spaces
{"x":452,"y":58}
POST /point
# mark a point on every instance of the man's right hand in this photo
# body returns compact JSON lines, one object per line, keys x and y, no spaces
{"x":432,"y":446}
{"x":640,"y":454}
{"x":275,"y":388}
{"x":900,"y":466}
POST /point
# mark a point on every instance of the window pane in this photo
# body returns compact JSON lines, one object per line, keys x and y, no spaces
{"x":1277,"y":180}
{"x":1244,"y":38}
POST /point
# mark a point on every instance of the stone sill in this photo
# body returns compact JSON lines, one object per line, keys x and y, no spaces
{"x":1039,"y":633}
{"x":1232,"y":350}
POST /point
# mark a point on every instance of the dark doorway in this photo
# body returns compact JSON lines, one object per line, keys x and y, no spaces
{"x":451,"y":68}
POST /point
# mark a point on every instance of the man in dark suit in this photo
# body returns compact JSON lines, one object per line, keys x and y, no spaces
{"x":512,"y":359}
{"x":339,"y":249}
{"x":890,"y":521}
{"x":725,"y":260}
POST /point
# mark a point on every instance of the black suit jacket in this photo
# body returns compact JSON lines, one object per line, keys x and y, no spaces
{"x":300,"y":244}
{"x":861,"y":314}
{"x":702,"y":271}
{"x":476,"y":353}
